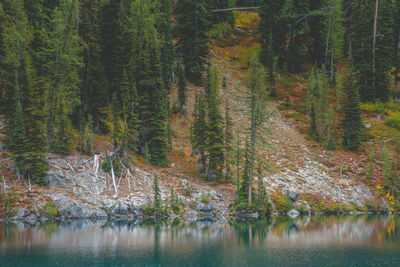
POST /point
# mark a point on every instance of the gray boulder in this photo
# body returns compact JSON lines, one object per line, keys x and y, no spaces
{"x":209,"y":207}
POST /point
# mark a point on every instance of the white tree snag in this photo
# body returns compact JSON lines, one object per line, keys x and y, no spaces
{"x":95,"y":167}
{"x":4,"y":184}
{"x":113,"y":178}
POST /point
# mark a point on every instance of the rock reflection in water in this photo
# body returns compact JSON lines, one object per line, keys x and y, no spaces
{"x":276,"y":232}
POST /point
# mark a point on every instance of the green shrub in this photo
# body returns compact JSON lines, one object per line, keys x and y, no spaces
{"x":297,"y":117}
{"x":50,"y":209}
{"x":205,"y":197}
{"x":282,"y":203}
{"x":220,"y":30}
{"x":393,"y":121}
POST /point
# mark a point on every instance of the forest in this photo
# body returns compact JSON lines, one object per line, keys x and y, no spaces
{"x":73,"y":71}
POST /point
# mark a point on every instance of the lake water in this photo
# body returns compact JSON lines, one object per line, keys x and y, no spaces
{"x":279,"y":241}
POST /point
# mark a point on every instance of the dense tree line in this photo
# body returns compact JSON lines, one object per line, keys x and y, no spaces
{"x":70,"y":69}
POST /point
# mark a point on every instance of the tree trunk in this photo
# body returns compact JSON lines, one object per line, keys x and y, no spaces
{"x":374,"y":43}
{"x":252,"y":142}
{"x":396,"y":72}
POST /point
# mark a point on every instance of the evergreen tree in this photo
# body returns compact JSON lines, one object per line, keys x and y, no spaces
{"x":153,"y":104}
{"x":228,"y":140}
{"x":62,"y":51}
{"x":191,"y":30}
{"x":215,"y":132}
{"x":24,"y":109}
{"x":16,"y":136}
{"x":181,"y":87}
{"x":397,"y":49}
{"x":272,"y":36}
{"x":294,"y":55}
{"x":257,"y":117}
{"x":164,"y":28}
{"x":372,"y":50}
{"x":157,"y":194}
{"x":199,"y":135}
{"x":352,"y":122}
{"x":334,"y":33}
{"x":110,"y":44}
{"x":94,"y":94}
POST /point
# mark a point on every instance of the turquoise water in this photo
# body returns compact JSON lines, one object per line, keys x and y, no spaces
{"x":280,"y":241}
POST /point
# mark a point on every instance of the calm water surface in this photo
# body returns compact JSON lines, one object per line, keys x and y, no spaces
{"x":280,"y":241}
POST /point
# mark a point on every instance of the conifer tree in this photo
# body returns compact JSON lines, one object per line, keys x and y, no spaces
{"x":215,"y":132}
{"x":199,"y":135}
{"x":352,"y":122}
{"x":94,"y":94}
{"x":164,"y":28}
{"x":397,"y":49}
{"x":153,"y":105}
{"x":24,"y":97}
{"x":181,"y":87}
{"x":257,"y":117}
{"x":110,"y":44}
{"x":372,"y":47}
{"x":62,"y":51}
{"x":228,"y":140}
{"x":272,"y":36}
{"x":297,"y":33}
{"x":191,"y":30}
{"x":157,"y":194}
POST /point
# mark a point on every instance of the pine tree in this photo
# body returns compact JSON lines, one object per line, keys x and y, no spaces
{"x":16,"y":136}
{"x":199,"y":135}
{"x":181,"y":87}
{"x":257,"y":117}
{"x":110,"y":44}
{"x":157,"y":194}
{"x":62,"y":51}
{"x":334,"y":33}
{"x":372,"y":50}
{"x":352,"y":122}
{"x":153,"y":104}
{"x":94,"y":93}
{"x":22,"y":92}
{"x":272,"y":36}
{"x":164,"y":29}
{"x":215,"y":132}
{"x":228,"y":140}
{"x":191,"y":30}
{"x":397,"y":49}
{"x":294,"y":55}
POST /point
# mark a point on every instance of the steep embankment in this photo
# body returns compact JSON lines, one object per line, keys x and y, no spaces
{"x":78,"y":187}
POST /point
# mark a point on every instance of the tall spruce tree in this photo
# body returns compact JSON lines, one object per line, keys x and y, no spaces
{"x":372,"y":47}
{"x":199,"y":135}
{"x":164,"y":28}
{"x":272,"y":36}
{"x":182,"y":98}
{"x":228,"y":139}
{"x":24,"y":109}
{"x":153,"y":105}
{"x":94,"y":84}
{"x":397,"y":49}
{"x":191,"y":30}
{"x":62,"y":51}
{"x":257,"y":117}
{"x":215,"y":132}
{"x":352,"y":122}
